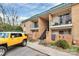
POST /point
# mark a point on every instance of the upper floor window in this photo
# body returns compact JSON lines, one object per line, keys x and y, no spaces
{"x":35,"y":24}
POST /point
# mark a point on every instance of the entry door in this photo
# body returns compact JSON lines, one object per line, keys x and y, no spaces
{"x":54,"y":35}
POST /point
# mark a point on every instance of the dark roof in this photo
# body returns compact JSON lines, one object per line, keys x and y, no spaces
{"x":63,"y":5}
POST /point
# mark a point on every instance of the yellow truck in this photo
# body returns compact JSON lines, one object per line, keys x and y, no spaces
{"x":9,"y":39}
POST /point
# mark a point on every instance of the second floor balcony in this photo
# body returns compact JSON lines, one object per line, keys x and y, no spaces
{"x":63,"y":22}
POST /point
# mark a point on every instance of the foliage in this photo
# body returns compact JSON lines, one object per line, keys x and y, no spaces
{"x":74,"y":49}
{"x":77,"y":49}
{"x":17,"y":28}
{"x":52,"y":43}
{"x":8,"y":27}
{"x":62,"y":43}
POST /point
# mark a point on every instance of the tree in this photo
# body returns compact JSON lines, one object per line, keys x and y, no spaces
{"x":2,"y":9}
{"x":9,"y":19}
{"x":13,"y":16}
{"x":9,"y":14}
{"x":0,"y":19}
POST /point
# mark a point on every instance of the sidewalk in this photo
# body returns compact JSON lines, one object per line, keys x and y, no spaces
{"x":47,"y":50}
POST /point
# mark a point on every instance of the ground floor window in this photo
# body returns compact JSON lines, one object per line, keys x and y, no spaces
{"x":61,"y":34}
{"x":68,"y":31}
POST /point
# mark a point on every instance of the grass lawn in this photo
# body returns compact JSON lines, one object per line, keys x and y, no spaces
{"x":74,"y":49}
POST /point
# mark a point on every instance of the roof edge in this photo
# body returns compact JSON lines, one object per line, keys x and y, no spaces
{"x":49,"y":10}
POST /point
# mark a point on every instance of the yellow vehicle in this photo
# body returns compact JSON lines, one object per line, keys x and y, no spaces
{"x":8,"y":39}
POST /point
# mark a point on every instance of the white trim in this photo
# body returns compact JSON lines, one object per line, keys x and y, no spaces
{"x":64,"y":26}
{"x":34,"y":28}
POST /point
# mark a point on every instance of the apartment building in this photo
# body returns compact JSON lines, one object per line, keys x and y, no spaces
{"x":59,"y":22}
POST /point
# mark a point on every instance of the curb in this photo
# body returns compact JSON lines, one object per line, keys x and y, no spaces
{"x":38,"y":51}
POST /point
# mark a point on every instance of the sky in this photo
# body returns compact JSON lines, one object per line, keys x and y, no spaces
{"x":27,"y":10}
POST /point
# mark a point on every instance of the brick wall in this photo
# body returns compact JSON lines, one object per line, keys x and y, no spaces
{"x":27,"y":26}
{"x":42,"y":25}
{"x":75,"y":22}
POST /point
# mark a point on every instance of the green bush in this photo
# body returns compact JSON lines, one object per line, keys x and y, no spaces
{"x":77,"y":49}
{"x":52,"y":44}
{"x":62,"y":43}
{"x":74,"y":49}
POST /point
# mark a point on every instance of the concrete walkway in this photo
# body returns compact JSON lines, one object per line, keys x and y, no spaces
{"x":47,"y":50}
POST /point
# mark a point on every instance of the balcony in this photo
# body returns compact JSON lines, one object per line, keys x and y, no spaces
{"x":61,"y":22}
{"x":61,"y":25}
{"x":34,"y":27}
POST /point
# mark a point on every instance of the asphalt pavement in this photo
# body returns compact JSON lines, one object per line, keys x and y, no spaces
{"x":23,"y":51}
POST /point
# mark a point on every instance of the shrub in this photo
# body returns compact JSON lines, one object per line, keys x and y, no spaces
{"x":62,"y":43}
{"x":77,"y":49}
{"x":52,"y":44}
{"x":74,"y":49}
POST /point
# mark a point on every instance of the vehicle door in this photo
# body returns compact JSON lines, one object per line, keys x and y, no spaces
{"x":17,"y":38}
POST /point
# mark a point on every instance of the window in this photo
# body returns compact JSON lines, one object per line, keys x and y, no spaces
{"x":61,"y":32}
{"x":16,"y":35}
{"x":3,"y":35}
{"x":13,"y":34}
{"x":35,"y":24}
{"x":69,"y":31}
{"x":65,"y":19}
{"x":19,"y":35}
{"x":25,"y":34}
{"x":60,"y":19}
{"x":65,"y":31}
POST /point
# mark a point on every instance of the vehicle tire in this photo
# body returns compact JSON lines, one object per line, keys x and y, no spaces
{"x":24,"y":43}
{"x":3,"y":50}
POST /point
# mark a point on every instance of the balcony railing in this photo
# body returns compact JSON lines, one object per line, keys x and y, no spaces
{"x":34,"y":27}
{"x":61,"y":25}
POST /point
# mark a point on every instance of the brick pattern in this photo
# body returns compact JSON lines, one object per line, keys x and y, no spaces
{"x":74,"y":10}
{"x":75,"y":22}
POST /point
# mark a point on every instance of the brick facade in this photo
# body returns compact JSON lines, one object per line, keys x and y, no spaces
{"x":73,"y":10}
